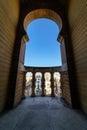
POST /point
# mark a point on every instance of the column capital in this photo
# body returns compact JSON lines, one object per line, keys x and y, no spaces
{"x":60,"y":38}
{"x":25,"y":38}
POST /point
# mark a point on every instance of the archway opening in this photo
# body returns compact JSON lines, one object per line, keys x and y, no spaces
{"x":42,"y":49}
{"x":54,"y":17}
{"x":43,"y":27}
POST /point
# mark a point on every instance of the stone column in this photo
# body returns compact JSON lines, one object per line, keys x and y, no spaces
{"x":52,"y":85}
{"x":63,"y":53}
{"x":43,"y":85}
{"x":33,"y":86}
{"x":21,"y":61}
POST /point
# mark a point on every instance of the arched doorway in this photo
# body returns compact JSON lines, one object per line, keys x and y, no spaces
{"x":50,"y":14}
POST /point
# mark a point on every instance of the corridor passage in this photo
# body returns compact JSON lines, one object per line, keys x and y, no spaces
{"x":43,"y":113}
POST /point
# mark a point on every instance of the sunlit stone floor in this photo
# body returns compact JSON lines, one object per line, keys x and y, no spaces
{"x":43,"y":113}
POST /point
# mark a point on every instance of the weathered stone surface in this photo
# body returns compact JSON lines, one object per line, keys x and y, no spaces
{"x":43,"y":114}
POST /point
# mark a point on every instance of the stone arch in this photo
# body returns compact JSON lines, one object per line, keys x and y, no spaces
{"x":42,"y":13}
{"x":59,"y":20}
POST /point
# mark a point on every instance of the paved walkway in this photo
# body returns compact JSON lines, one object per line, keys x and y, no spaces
{"x":43,"y":114}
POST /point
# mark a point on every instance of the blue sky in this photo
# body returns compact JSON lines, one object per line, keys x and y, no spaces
{"x":42,"y":49}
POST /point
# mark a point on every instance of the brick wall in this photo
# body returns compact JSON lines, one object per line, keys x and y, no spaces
{"x":19,"y":88}
{"x":77,"y":16}
{"x":9,"y":13}
{"x":65,"y":86}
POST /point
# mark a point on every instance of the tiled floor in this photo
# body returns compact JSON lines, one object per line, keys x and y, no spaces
{"x":43,"y":113}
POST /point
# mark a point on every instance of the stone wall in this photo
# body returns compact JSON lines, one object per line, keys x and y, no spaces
{"x":19,"y":87}
{"x":77,"y":16}
{"x":65,"y":86}
{"x":9,"y":13}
